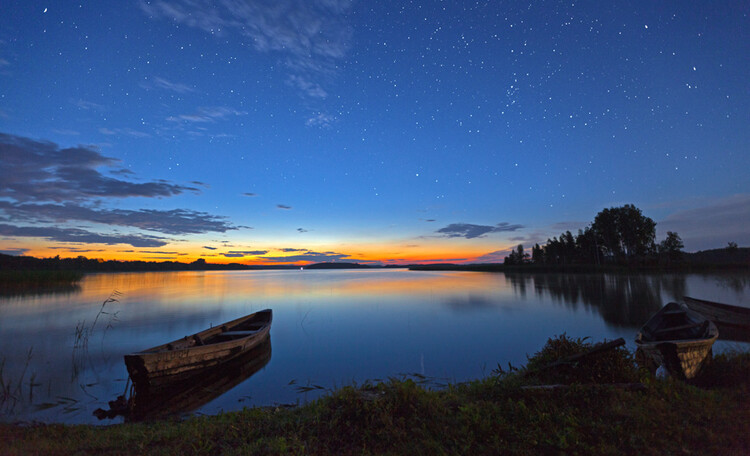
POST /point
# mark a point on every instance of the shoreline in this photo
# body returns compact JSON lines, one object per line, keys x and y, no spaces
{"x":588,"y":411}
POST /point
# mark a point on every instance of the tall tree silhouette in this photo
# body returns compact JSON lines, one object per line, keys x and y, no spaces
{"x":625,"y":233}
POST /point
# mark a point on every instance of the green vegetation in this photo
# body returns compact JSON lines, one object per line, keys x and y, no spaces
{"x":594,"y":414}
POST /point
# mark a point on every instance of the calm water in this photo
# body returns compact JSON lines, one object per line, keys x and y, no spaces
{"x":331,"y":328}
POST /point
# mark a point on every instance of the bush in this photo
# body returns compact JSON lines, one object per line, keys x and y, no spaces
{"x":611,"y":366}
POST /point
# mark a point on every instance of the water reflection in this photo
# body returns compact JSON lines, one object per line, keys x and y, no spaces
{"x":185,"y":395}
{"x":735,"y":282}
{"x":66,"y":288}
{"x":622,"y":299}
{"x":325,"y":324}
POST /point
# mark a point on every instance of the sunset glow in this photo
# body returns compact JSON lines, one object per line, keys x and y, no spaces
{"x":380,"y":133}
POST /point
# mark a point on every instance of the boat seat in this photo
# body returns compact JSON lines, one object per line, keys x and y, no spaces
{"x":678,"y":328}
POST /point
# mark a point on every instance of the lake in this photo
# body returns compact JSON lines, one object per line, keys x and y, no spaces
{"x":61,"y":355}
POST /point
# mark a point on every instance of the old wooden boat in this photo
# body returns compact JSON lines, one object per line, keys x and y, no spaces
{"x":183,"y":358}
{"x":677,"y":338}
{"x":182,"y":397}
{"x":733,"y":321}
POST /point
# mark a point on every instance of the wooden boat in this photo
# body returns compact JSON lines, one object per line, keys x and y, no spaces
{"x":733,"y":321}
{"x":185,"y":357}
{"x":678,"y":338}
{"x":182,"y":397}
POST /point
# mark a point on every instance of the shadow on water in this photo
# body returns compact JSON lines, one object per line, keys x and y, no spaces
{"x":621,"y":299}
{"x":32,"y":290}
{"x":181,"y":397}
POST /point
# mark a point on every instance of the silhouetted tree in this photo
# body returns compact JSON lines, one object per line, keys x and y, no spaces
{"x":671,"y":247}
{"x":625,"y":233}
{"x":587,"y":247}
{"x":517,"y":256}
{"x":537,"y":254}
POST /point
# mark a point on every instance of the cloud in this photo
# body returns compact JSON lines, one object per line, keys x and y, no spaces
{"x":42,"y":171}
{"x":15,"y":252}
{"x":320,"y":119}
{"x":81,"y":236}
{"x":76,"y":249}
{"x":243,"y":253}
{"x":470,"y":231}
{"x":66,"y":132}
{"x":88,"y":105}
{"x":122,"y":172}
{"x":310,"y":89}
{"x":159,"y":252}
{"x":175,"y":221}
{"x":249,"y":194}
{"x":209,"y":248}
{"x":314,"y":257}
{"x":712,"y":226}
{"x":283,"y":206}
{"x":293,"y":250}
{"x":209,"y":114}
{"x":43,"y":184}
{"x":302,"y":230}
{"x":310,"y":37}
{"x":161,"y":83}
{"x":498,"y":256}
{"x":123,"y":132}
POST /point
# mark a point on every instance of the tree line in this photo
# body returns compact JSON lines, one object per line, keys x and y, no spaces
{"x":618,"y":235}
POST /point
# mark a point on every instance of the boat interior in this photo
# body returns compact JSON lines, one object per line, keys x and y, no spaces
{"x":675,"y":322}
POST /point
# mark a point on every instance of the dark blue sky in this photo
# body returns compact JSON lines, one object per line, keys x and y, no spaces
{"x":256,"y":130}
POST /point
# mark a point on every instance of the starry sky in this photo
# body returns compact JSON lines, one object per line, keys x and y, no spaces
{"x":300,"y":131}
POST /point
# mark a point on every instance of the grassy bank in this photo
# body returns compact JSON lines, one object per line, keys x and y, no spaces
{"x":595,"y":411}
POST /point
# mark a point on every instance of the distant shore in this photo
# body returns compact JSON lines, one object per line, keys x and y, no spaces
{"x":31,"y":270}
{"x":579,"y":268}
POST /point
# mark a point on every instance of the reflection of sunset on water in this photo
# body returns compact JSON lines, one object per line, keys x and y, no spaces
{"x":444,"y":324}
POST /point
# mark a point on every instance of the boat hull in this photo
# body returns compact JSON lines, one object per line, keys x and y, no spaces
{"x":683,"y":356}
{"x":179,"y":397}
{"x":182,"y":358}
{"x":733,"y":321}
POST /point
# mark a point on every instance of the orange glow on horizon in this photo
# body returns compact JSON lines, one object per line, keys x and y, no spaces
{"x":384,"y":253}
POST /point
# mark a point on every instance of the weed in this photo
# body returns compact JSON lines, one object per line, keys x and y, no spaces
{"x":84,"y":332}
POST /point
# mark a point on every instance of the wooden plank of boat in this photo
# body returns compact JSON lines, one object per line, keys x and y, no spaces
{"x":207,"y":348}
{"x":678,"y":338}
{"x":733,"y":321}
{"x":720,"y":313}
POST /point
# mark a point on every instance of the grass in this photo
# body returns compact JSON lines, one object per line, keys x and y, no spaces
{"x":494,"y":415}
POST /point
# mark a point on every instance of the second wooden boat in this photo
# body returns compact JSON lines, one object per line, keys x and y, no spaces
{"x":677,"y":338}
{"x":184,"y":357}
{"x":733,"y":321}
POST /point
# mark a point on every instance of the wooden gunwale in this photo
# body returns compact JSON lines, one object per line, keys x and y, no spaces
{"x":186,"y":354}
{"x":720,"y":313}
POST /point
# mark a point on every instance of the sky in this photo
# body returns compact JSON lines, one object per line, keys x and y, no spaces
{"x":378,"y":132}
